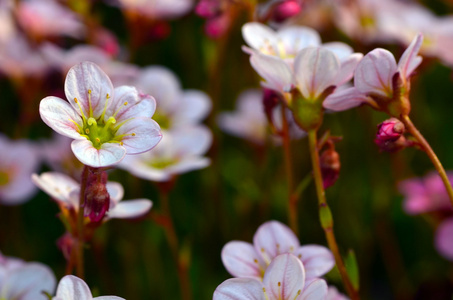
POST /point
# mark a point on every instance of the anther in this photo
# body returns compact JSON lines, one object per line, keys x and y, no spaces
{"x":262,"y":250}
{"x":125,"y":103}
{"x":133,"y":134}
{"x":279,"y":283}
{"x":75,"y":100}
{"x":121,"y":143}
{"x":87,"y":131}
{"x":89,"y":91}
{"x":98,"y":140}
{"x":291,"y":249}
{"x":108,"y":96}
{"x":255,"y":261}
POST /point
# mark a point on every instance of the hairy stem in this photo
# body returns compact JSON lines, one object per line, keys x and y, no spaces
{"x":326,"y":216}
{"x":429,"y":151}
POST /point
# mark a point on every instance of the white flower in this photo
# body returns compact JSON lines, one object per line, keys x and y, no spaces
{"x":73,"y":288}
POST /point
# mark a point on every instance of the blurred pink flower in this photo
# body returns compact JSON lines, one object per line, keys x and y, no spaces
{"x":444,"y":239}
{"x":374,"y":78}
{"x":284,"y":279}
{"x":73,"y":288}
{"x":18,"y":160}
{"x":176,"y":108}
{"x":423,"y":195}
{"x":157,"y":9}
{"x":20,"y":280}
{"x":66,"y":192}
{"x":48,"y":18}
{"x":105,"y":123}
{"x":179,"y":152}
{"x":242,"y":259}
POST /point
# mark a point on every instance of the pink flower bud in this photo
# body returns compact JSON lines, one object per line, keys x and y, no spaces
{"x":286,"y":9}
{"x":216,"y":27}
{"x":97,"y":198}
{"x":208,"y":9}
{"x":390,"y":130}
{"x":66,"y":244}
{"x":330,"y":166}
{"x":270,"y":101}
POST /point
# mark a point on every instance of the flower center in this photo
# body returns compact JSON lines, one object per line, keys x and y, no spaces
{"x":163,"y":120}
{"x":162,"y":163}
{"x":4,"y":179}
{"x":99,"y":131}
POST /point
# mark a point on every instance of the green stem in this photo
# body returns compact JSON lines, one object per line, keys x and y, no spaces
{"x":292,"y":198}
{"x":80,"y":224}
{"x":326,"y":216}
{"x":173,"y":242}
{"x":429,"y":151}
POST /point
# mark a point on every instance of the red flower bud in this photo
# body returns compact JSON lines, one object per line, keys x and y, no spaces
{"x":286,"y":9}
{"x":390,"y":130}
{"x":97,"y":198}
{"x":330,"y":166}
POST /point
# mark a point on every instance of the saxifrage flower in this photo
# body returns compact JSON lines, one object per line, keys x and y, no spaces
{"x":107,"y":123}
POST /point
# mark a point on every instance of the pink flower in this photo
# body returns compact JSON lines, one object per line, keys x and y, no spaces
{"x":376,"y":79}
{"x":423,"y":195}
{"x":105,"y":123}
{"x":334,"y":294}
{"x":242,"y":259}
{"x":47,"y":18}
{"x":158,"y":9}
{"x":18,"y":160}
{"x":284,"y":279}
{"x":66,"y":192}
{"x":73,"y":288}
{"x":24,"y":281}
{"x":179,"y":152}
{"x":444,"y":239}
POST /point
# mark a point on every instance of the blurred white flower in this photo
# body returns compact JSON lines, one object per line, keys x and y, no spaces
{"x":73,"y":288}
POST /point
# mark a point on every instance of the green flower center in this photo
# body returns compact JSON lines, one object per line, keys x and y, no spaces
{"x":162,"y":119}
{"x":367,"y":22}
{"x":4,"y":179}
{"x":162,"y":163}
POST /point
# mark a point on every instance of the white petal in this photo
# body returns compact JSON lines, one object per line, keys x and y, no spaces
{"x":73,"y":288}
{"x":188,"y":164}
{"x":317,"y":260}
{"x":141,"y":134}
{"x":347,"y":68}
{"x":128,"y":103}
{"x":108,"y":298}
{"x":60,"y":116}
{"x":344,"y":99}
{"x":257,"y":35}
{"x":274,"y":70}
{"x":299,"y":37}
{"x":28,"y":281}
{"x":239,"y":289}
{"x":56,"y":185}
{"x":193,"y":108}
{"x":410,"y":60}
{"x":109,"y":154}
{"x":285,"y":277}
{"x":115,"y":190}
{"x":191,"y":140}
{"x":274,"y":238}
{"x":315,"y":70}
{"x":314,"y":290}
{"x":241,"y":260}
{"x":130,"y":209}
{"x":341,"y":50}
{"x":84,"y":77}
{"x":374,"y":73}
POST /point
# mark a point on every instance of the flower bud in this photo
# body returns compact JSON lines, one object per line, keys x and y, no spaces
{"x":270,"y":101}
{"x":330,"y":166}
{"x":390,"y":130}
{"x":286,"y":10}
{"x":208,"y":9}
{"x":97,"y":198}
{"x":66,"y":244}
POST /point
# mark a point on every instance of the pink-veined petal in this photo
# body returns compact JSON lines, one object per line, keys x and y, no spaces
{"x":138,"y":166}
{"x":344,"y":99}
{"x":28,"y":282}
{"x":241,"y":260}
{"x":127,"y":103}
{"x":374,"y":73}
{"x":317,"y":260}
{"x":56,"y":185}
{"x":130,"y":209}
{"x":239,"y":289}
{"x":194,"y":140}
{"x":73,"y":288}
{"x":115,"y":190}
{"x":109,"y":154}
{"x":444,"y":239}
{"x":284,"y":278}
{"x":274,"y":70}
{"x":108,"y":298}
{"x":315,"y":69}
{"x":347,"y":68}
{"x":315,"y":289}
{"x":257,"y":35}
{"x":274,"y":238}
{"x":410,"y":60}
{"x":60,"y":116}
{"x":82,"y":78}
{"x":334,"y":294}
{"x":141,"y":134}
